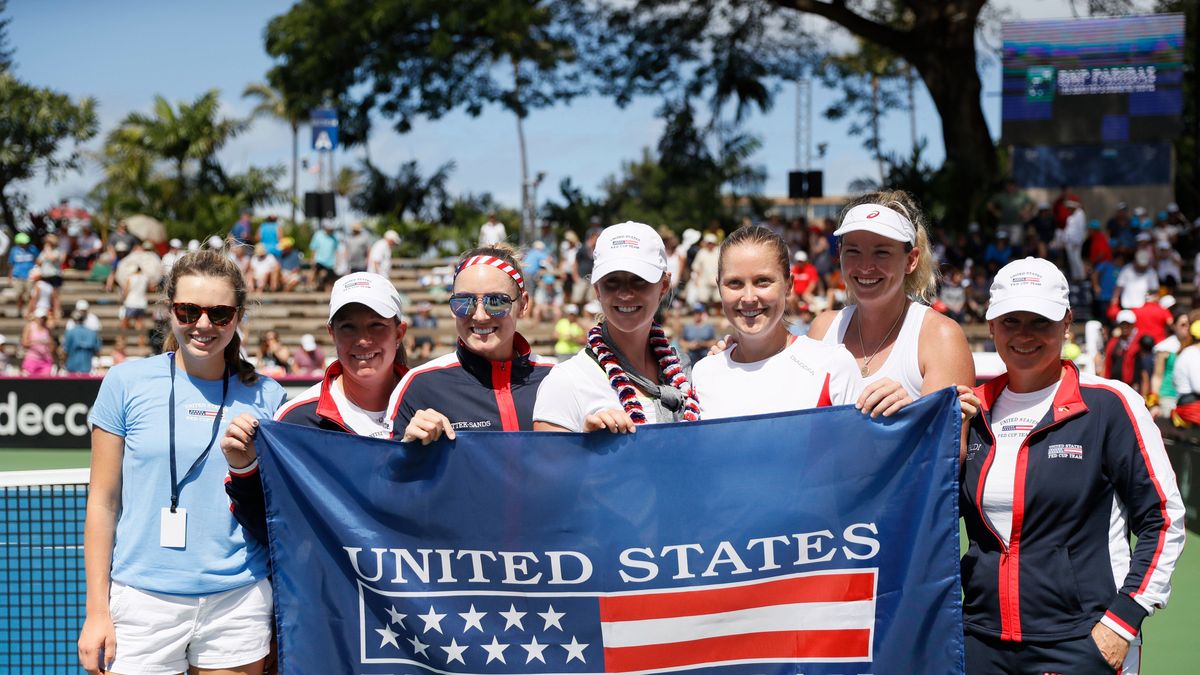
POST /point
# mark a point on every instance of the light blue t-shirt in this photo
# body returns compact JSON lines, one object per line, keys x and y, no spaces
{"x":218,"y":555}
{"x":324,"y":248}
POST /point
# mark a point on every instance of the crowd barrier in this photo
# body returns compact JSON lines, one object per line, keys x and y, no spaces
{"x":1183,"y":447}
{"x":52,"y":412}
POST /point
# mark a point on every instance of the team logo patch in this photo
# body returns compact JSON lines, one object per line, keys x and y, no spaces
{"x":627,"y":241}
{"x":1027,"y":279}
{"x":201,"y":411}
{"x":1065,"y":451}
{"x":1013,"y":427}
{"x":356,"y":283}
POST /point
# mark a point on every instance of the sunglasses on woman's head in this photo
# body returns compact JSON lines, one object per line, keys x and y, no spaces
{"x":219,"y":315}
{"x":497,"y":305}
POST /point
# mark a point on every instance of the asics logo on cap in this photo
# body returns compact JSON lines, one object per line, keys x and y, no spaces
{"x":873,"y":214}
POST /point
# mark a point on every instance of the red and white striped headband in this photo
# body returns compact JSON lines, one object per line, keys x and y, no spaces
{"x":493,"y":262}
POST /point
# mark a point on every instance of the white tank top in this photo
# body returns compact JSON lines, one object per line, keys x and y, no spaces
{"x":903,"y":363}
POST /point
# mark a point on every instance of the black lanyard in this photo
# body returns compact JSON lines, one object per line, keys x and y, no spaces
{"x":216,"y":427}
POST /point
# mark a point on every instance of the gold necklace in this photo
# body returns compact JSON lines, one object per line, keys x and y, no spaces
{"x":867,"y":359}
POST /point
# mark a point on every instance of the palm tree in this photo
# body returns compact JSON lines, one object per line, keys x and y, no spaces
{"x":187,"y":137}
{"x":273,"y":104}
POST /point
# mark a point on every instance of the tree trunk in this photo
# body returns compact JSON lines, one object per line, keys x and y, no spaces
{"x":940,"y":44}
{"x":295,"y":196}
{"x":954,"y":85}
{"x":6,"y":211}
{"x":524,"y":238}
{"x":875,"y":128}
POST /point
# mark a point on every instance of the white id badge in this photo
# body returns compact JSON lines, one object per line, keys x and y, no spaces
{"x":173,"y":530}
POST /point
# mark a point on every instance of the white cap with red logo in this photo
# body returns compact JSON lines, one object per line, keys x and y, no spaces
{"x":370,"y":290}
{"x":878,"y":219}
{"x":630,"y":247}
{"x":1029,"y":285}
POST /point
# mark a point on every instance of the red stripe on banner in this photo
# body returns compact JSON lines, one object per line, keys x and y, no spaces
{"x":837,"y":587}
{"x":782,"y":645}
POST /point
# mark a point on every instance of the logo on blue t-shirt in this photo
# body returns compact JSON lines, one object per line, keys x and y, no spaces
{"x":201,"y":411}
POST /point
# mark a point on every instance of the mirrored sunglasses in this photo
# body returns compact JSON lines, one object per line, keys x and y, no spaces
{"x":219,"y":315}
{"x":496,"y":305}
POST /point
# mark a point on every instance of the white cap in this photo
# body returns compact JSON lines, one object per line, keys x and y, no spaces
{"x":630,"y":247}
{"x":1139,"y":210}
{"x":878,"y":219}
{"x":371,"y":290}
{"x":175,"y":243}
{"x":193,"y":245}
{"x":1126,"y":316}
{"x":1030,"y":285}
{"x":800,"y":256}
{"x":214,"y":242}
{"x":82,"y":305}
{"x":710,"y":238}
{"x":1167,"y":301}
{"x":392,"y":236}
{"x":308,"y":342}
{"x":1172,"y":208}
{"x":690,"y":236}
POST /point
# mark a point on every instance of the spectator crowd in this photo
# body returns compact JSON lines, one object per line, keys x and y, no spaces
{"x":1126,"y":271}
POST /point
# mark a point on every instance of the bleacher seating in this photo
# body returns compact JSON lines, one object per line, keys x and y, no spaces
{"x":291,"y":314}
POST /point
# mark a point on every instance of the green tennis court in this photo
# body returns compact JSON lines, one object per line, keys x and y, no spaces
{"x":1169,"y":635}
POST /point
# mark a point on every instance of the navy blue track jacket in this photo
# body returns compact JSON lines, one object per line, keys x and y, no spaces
{"x":1093,"y":470}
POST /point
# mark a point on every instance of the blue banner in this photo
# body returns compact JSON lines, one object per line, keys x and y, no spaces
{"x":816,"y":542}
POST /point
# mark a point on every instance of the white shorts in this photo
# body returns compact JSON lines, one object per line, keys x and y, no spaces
{"x":160,"y":634}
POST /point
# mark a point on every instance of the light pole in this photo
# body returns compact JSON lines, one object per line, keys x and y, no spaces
{"x":529,"y":216}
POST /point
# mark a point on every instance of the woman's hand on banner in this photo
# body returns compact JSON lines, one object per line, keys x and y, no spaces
{"x":238,"y":441}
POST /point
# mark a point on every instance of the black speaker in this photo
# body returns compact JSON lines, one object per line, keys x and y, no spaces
{"x":796,"y":185}
{"x":319,"y":205}
{"x":813,"y":181}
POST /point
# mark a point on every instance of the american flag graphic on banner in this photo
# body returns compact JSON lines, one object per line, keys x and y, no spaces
{"x":824,"y":616}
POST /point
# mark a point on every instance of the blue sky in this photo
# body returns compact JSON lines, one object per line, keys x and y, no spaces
{"x":124,"y":52}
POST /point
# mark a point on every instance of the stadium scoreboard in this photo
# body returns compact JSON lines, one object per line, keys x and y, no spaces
{"x":1093,"y":81}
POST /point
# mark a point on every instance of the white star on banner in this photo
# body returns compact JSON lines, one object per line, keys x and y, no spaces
{"x":397,"y":617}
{"x":454,"y":652}
{"x":473,"y":619}
{"x":575,"y":650}
{"x":512,"y":617}
{"x":389,"y":636}
{"x":551,"y":618}
{"x":495,"y":651}
{"x":535,"y":650}
{"x":418,"y":646}
{"x":432,"y":620}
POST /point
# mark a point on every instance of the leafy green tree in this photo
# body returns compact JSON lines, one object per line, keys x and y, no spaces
{"x":872,"y":82}
{"x":187,"y":137}
{"x":165,"y":164}
{"x":272,"y":103}
{"x":650,"y":42}
{"x":407,"y":59}
{"x":40,"y":133}
{"x":408,"y":195}
{"x":6,"y":51}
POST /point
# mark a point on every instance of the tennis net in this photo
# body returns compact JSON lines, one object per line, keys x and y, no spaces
{"x":41,"y":569}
